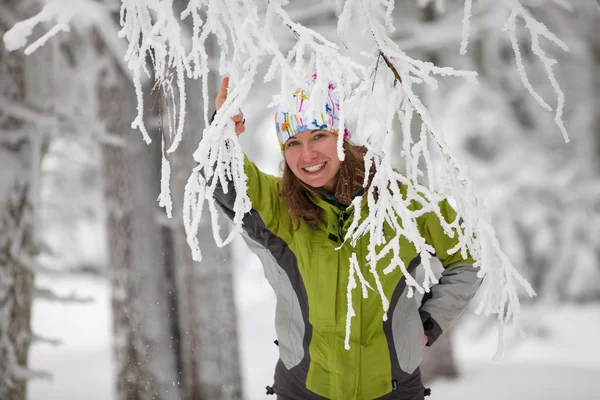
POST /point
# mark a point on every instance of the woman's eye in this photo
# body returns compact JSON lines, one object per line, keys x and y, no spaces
{"x":292,"y":143}
{"x":319,"y":136}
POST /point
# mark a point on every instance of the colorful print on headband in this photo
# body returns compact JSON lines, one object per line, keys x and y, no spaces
{"x":289,"y":122}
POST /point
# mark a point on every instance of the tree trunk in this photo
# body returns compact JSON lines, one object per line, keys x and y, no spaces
{"x":595,"y":40}
{"x":19,"y":162}
{"x":162,"y":299}
{"x":146,"y":351}
{"x":438,"y":360}
{"x":205,"y":290}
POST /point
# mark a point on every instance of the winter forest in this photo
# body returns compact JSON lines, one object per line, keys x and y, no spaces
{"x":122,"y":279}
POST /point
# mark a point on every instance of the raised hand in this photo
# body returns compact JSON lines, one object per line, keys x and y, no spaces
{"x":221,"y":97}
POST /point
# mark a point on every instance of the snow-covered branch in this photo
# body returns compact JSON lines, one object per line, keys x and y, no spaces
{"x":22,"y":373}
{"x":391,"y":76}
{"x":26,"y":112}
{"x":386,"y":90}
{"x":395,"y":76}
{"x":537,"y":30}
{"x":466,"y":26}
{"x":64,"y":123}
{"x":252,"y":43}
{"x":41,"y":339}
{"x":59,"y":15}
{"x":49,"y":295}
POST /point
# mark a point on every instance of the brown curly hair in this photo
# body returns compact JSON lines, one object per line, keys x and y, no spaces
{"x":350,"y":178}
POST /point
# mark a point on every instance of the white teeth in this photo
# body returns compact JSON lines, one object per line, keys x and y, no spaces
{"x":314,"y":168}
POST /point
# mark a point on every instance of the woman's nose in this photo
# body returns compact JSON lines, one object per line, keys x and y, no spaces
{"x":308,"y":152}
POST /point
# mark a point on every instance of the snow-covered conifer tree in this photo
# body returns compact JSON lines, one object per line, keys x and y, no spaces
{"x":21,"y":80}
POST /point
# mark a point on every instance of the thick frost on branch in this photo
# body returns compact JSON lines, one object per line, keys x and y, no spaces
{"x":537,"y":30}
{"x":59,"y":12}
{"x":59,"y":15}
{"x":377,"y":95}
{"x":364,"y":284}
{"x":466,"y":25}
{"x":153,"y":31}
{"x":246,"y":41}
{"x":394,"y":75}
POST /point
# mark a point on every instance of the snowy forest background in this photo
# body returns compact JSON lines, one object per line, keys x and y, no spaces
{"x":120,"y":309}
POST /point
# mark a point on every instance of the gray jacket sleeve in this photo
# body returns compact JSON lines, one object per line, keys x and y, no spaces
{"x":458,"y":283}
{"x":448,"y":299}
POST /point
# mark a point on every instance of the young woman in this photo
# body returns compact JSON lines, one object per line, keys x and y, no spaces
{"x":295,"y":225}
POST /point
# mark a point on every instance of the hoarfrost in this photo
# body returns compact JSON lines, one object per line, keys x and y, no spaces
{"x":154,"y":30}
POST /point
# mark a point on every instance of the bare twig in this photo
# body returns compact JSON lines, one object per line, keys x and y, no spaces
{"x":391,"y":66}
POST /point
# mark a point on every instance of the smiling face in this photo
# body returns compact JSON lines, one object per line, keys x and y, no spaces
{"x":312,"y":157}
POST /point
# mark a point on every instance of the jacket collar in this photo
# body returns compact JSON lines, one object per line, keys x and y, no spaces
{"x":333,"y":211}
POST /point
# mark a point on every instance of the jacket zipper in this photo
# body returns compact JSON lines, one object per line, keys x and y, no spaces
{"x":340,"y":225}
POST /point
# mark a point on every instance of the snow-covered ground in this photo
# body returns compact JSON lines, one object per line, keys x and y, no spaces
{"x":82,"y":365}
{"x":561,"y":360}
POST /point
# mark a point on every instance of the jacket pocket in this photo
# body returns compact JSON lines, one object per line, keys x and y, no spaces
{"x":324,"y":270}
{"x":407,"y":331}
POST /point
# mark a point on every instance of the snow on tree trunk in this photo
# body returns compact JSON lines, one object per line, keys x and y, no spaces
{"x":145,"y":351}
{"x":205,"y":290}
{"x":19,"y":163}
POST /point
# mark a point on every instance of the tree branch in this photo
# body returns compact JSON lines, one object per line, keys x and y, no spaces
{"x":21,"y":372}
{"x":28,"y":112}
{"x":41,"y":339}
{"x":49,"y":295}
{"x":391,"y":66}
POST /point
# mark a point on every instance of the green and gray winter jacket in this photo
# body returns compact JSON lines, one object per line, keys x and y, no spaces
{"x":310,"y":279}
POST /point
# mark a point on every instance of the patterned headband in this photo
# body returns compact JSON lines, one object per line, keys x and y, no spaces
{"x":292,"y":120}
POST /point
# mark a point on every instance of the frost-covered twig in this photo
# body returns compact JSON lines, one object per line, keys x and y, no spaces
{"x":219,"y":157}
{"x":466,"y":26}
{"x":536,"y":30}
{"x":395,"y":74}
{"x":57,"y":12}
{"x":153,"y":31}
